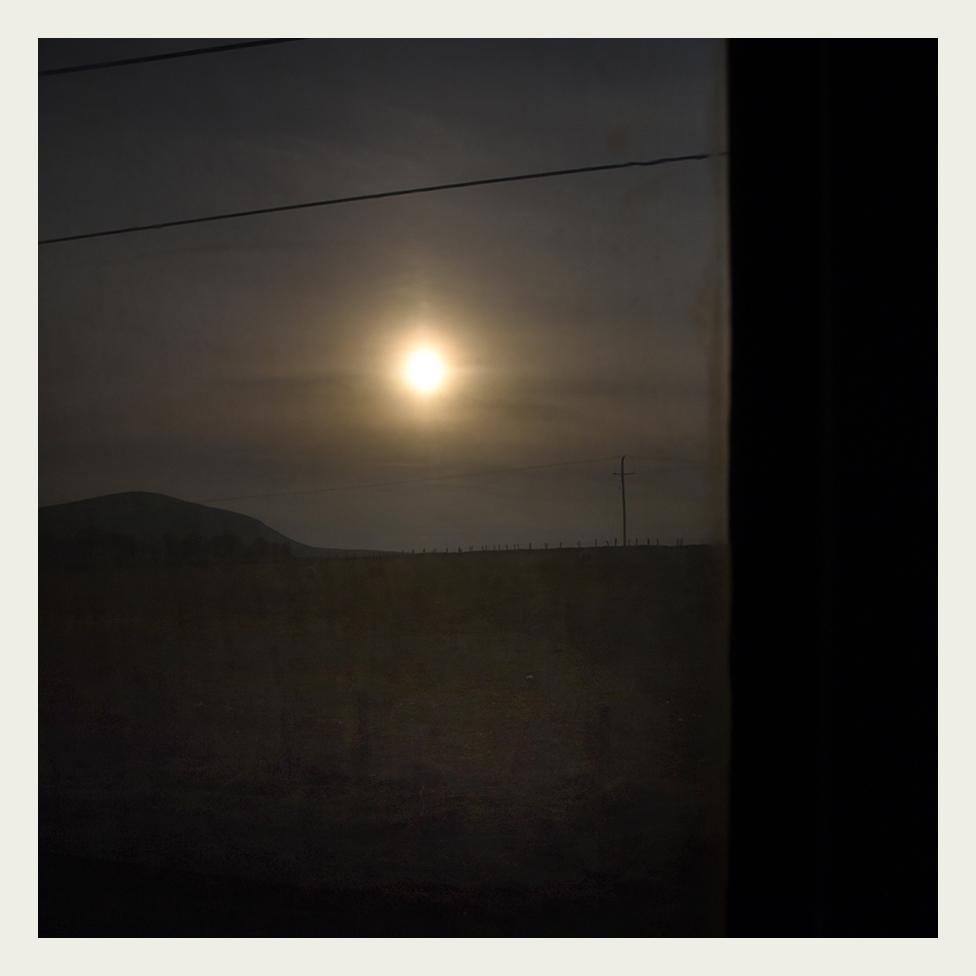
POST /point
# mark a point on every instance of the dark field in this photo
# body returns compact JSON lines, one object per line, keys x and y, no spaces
{"x":521,"y":743}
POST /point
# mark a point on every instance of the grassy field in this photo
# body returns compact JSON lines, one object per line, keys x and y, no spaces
{"x":485,"y":743}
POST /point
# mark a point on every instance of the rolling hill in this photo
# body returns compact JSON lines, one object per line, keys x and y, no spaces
{"x":140,"y":524}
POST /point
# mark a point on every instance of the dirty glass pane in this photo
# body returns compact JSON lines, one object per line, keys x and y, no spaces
{"x":383,"y":568}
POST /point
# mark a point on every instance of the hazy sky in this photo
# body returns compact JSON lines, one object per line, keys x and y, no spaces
{"x":580,"y":318}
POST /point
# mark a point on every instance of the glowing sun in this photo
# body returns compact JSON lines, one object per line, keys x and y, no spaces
{"x":424,"y":371}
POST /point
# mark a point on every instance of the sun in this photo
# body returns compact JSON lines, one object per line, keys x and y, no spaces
{"x":424,"y":371}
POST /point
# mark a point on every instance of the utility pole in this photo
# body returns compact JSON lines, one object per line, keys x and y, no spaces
{"x":623,"y":494}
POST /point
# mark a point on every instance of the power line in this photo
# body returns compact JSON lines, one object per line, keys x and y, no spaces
{"x":673,"y":462}
{"x":136,"y":229}
{"x":145,"y":59}
{"x":410,"y":481}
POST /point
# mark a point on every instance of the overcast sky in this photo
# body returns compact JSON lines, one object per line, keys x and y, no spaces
{"x":580,"y":318}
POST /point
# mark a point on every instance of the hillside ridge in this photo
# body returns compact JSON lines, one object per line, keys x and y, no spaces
{"x":152,"y":519}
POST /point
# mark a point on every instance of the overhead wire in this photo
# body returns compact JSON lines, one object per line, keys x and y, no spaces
{"x":381,"y":195}
{"x":166,"y":56}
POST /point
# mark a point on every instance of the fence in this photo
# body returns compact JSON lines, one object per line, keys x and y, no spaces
{"x":614,"y":543}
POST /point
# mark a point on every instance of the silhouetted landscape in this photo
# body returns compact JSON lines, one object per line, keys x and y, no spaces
{"x":476,"y":743}
{"x":144,"y":528}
